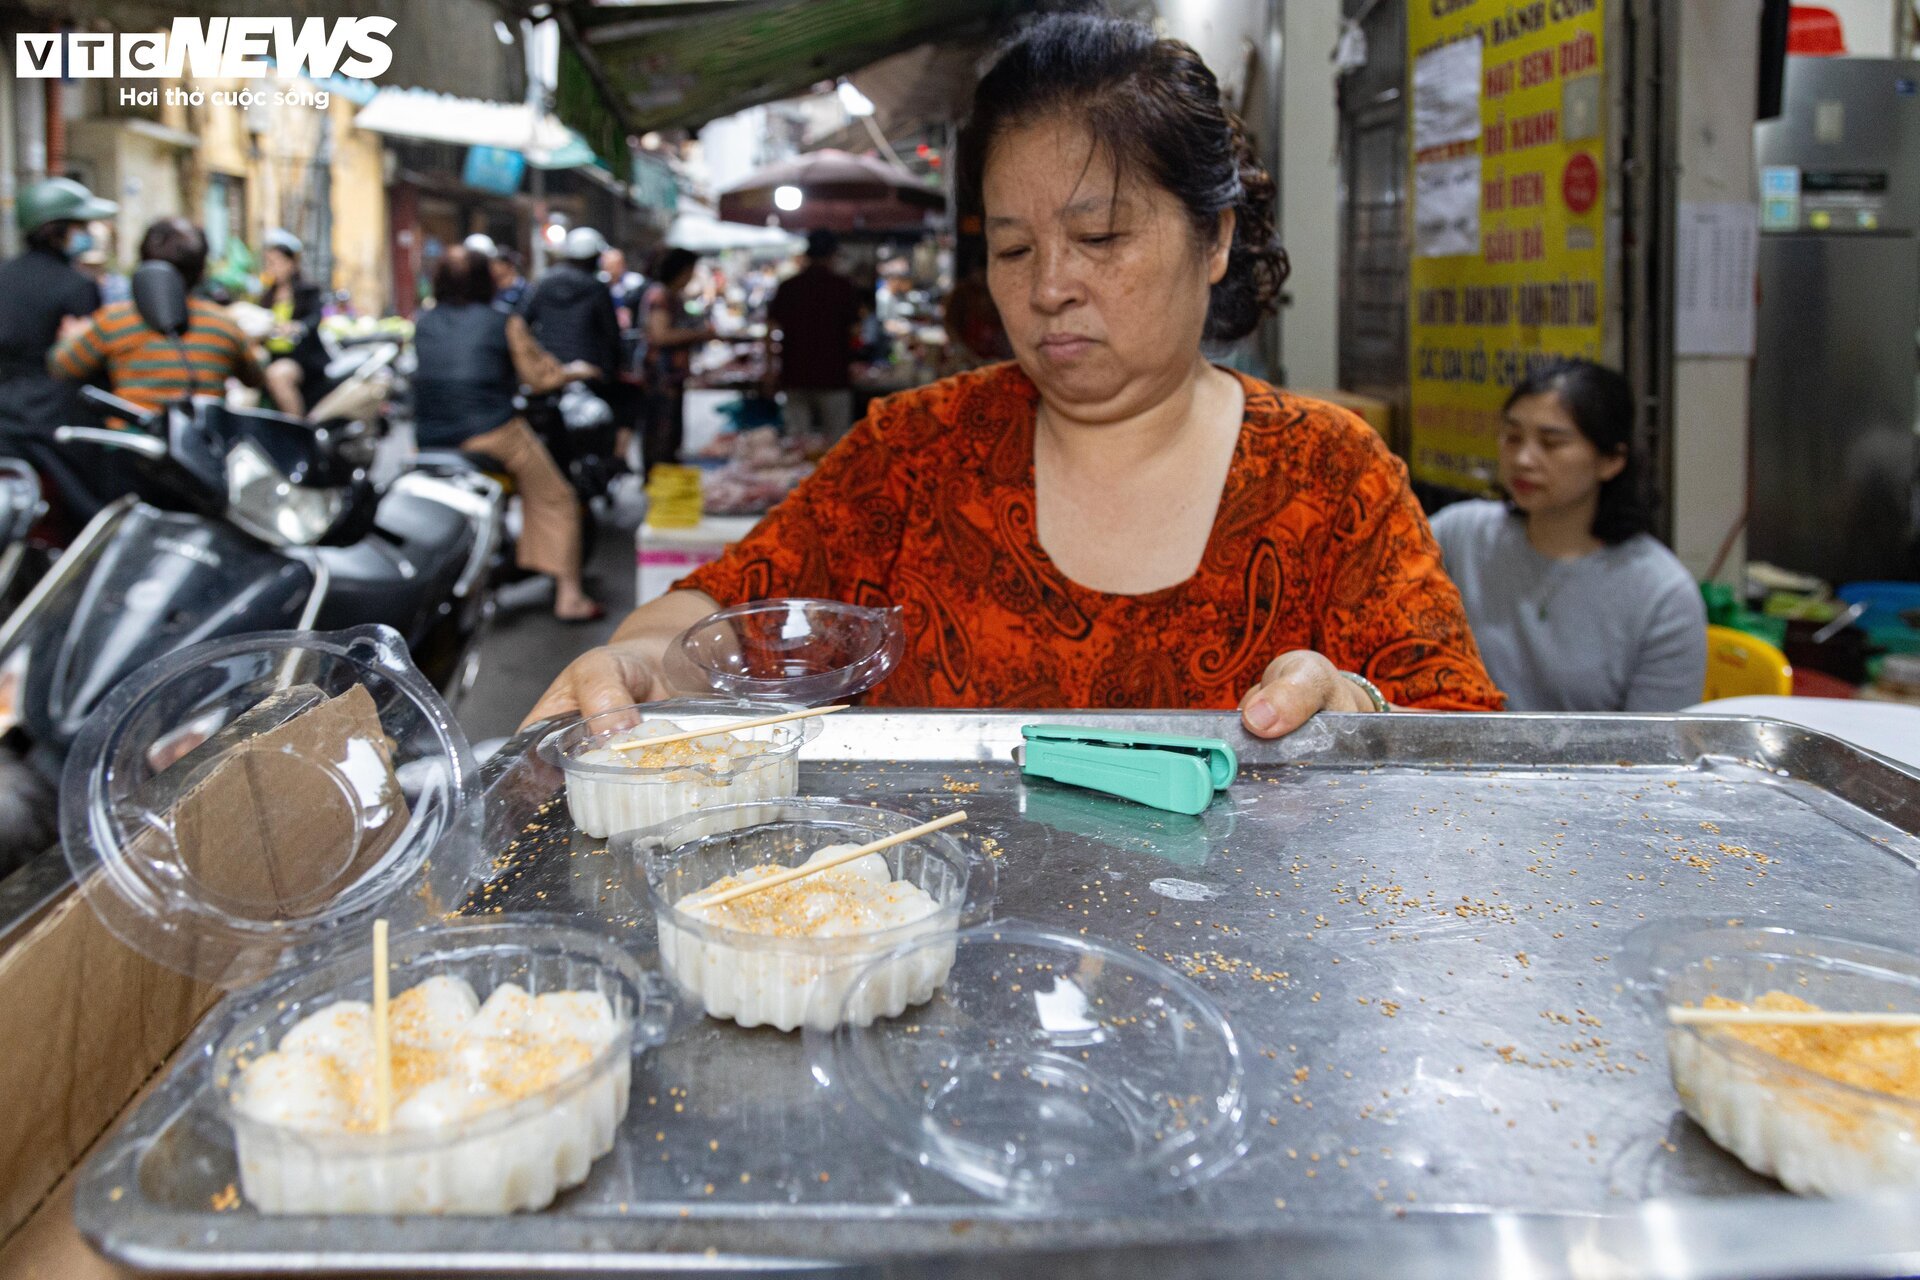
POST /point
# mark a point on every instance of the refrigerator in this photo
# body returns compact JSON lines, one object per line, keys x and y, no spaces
{"x":1835,"y":459}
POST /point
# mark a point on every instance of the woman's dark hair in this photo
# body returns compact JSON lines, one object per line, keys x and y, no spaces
{"x":671,"y":263}
{"x":1154,"y":109}
{"x":296,"y":276}
{"x":177,"y":241}
{"x":1600,"y":402}
{"x":462,"y":277}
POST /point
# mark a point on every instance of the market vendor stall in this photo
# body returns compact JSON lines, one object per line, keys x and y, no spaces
{"x":1399,"y":976}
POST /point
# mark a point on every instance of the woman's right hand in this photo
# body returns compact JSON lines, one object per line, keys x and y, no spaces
{"x":604,"y":679}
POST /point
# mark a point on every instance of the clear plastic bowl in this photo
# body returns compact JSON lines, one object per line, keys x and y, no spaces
{"x":516,"y":1157}
{"x":810,"y":652}
{"x":758,"y":979}
{"x":240,"y":798}
{"x":1050,"y":1070}
{"x":1815,"y":1134}
{"x":609,"y":796}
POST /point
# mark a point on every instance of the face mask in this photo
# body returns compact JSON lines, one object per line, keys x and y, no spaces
{"x":78,"y":243}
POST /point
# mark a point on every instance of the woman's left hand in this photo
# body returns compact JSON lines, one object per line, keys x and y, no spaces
{"x":1293,"y":689}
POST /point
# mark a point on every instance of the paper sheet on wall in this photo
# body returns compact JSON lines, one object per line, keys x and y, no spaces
{"x":1446,"y":207}
{"x":1714,"y":263}
{"x":1446,"y":95}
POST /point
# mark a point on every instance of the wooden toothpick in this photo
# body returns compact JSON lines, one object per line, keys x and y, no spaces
{"x":641,"y":744}
{"x":845,"y":856}
{"x":1686,"y":1016}
{"x":382,"y":1041}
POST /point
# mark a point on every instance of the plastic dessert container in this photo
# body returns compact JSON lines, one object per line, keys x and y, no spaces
{"x":806,"y":651}
{"x":610,"y":790}
{"x":1049,"y":1070}
{"x":243,"y":811}
{"x":1816,"y":1134}
{"x":505,"y":1158}
{"x":798,"y":975}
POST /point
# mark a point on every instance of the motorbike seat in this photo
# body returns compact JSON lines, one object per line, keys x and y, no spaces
{"x":492,"y":466}
{"x":437,"y":461}
{"x":367,"y":579}
{"x":446,"y":461}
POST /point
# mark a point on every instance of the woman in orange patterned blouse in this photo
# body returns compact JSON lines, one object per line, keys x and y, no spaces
{"x":1110,"y":520}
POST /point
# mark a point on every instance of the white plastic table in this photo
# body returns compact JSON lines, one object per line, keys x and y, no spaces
{"x":662,"y":556}
{"x":1890,"y":728}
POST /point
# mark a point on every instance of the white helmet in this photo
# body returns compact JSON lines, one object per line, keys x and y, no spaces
{"x":583,"y":243}
{"x":482,"y":244}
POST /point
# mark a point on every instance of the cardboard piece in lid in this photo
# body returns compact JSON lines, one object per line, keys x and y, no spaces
{"x":279,"y":813}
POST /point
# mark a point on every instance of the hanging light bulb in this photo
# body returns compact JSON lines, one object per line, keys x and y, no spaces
{"x":852,"y":101}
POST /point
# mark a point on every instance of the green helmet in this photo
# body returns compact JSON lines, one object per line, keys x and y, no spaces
{"x":59,"y":200}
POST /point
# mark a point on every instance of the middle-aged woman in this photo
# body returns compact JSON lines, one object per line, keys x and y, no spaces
{"x":1576,"y":606}
{"x":473,"y":359}
{"x":1109,"y":520}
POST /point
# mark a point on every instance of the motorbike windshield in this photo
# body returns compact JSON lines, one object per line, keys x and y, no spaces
{"x":141,"y":582}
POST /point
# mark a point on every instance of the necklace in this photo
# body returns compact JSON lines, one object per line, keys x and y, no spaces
{"x":1547,"y":584}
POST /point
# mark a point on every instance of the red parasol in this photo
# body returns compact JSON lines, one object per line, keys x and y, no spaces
{"x":838,"y":191}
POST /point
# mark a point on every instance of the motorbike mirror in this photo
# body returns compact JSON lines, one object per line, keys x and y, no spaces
{"x":160,"y":296}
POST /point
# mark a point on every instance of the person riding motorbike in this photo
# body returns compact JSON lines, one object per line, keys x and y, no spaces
{"x":41,"y":294}
{"x":571,"y":309}
{"x":145,"y":367}
{"x":472,"y":360}
{"x":297,"y":372}
{"x":509,"y":280}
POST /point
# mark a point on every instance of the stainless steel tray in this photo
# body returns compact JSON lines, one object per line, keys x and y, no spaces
{"x":1412,"y":921}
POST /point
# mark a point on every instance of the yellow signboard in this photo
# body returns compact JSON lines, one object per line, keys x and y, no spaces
{"x":1508,"y":208}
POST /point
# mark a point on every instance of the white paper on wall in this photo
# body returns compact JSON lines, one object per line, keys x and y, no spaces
{"x":1713,"y":280}
{"x":1446,"y":207}
{"x":1446,"y":95}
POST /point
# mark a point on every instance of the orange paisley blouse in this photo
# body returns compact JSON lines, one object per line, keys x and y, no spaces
{"x":929,"y":504}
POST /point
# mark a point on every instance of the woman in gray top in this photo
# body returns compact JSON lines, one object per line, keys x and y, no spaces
{"x":1574,"y":605}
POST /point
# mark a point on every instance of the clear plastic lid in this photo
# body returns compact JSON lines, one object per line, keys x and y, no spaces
{"x":1048,"y":1069}
{"x":243,"y":797}
{"x":811,"y":652}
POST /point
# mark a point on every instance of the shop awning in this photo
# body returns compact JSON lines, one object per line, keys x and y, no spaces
{"x":700,"y":230}
{"x":471,"y":122}
{"x":627,"y":69}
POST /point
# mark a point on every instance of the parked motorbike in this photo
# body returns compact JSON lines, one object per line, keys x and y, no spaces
{"x":243,"y":520}
{"x":22,"y":506}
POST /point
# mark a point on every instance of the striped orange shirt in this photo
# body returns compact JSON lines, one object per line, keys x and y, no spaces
{"x":143,"y":366}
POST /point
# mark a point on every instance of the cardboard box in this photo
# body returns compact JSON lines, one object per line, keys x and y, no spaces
{"x":87,"y":1020}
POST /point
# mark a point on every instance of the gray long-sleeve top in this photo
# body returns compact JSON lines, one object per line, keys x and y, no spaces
{"x":1622,"y":629}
